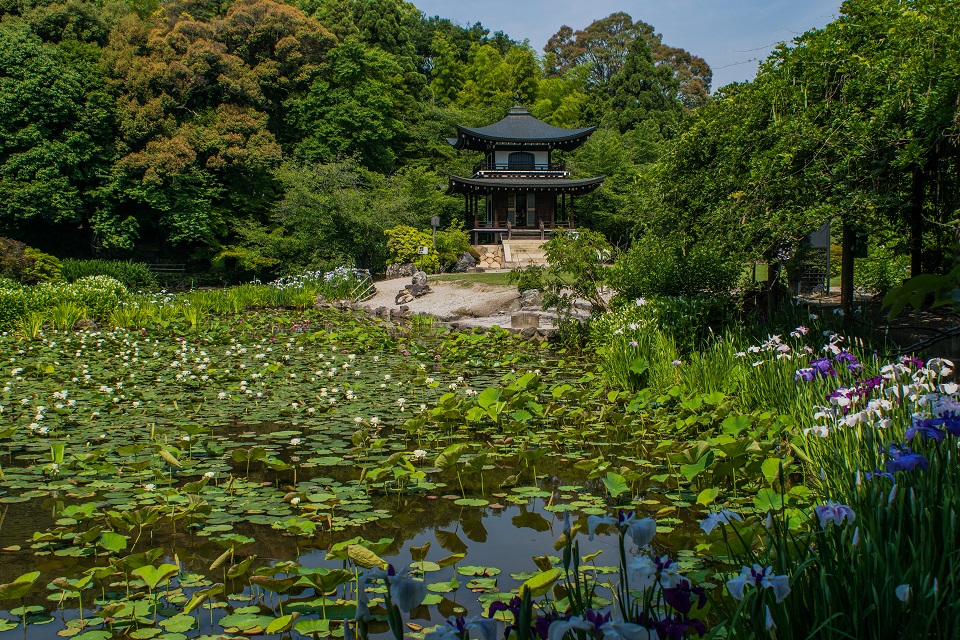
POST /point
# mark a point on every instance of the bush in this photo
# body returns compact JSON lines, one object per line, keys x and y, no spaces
{"x":40,"y":267}
{"x":881,"y":270}
{"x":451,"y":244}
{"x":25,"y":264}
{"x":404,"y":244}
{"x":664,"y":267}
{"x":135,"y":276}
{"x":99,"y":295}
{"x":531,"y":277}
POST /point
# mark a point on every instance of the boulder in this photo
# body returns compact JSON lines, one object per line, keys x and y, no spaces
{"x":419,"y":278}
{"x":531,"y":299}
{"x":525,"y":320}
{"x":417,"y":290}
{"x":403,"y":298}
{"x":402,"y":270}
{"x":465,"y":263}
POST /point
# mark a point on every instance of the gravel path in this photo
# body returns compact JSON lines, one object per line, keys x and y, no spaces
{"x":448,"y":299}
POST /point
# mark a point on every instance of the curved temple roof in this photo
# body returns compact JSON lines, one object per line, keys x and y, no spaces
{"x":521,"y":129}
{"x":490,"y":185}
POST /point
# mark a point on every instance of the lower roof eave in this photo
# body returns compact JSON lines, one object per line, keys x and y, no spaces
{"x":484,"y":186}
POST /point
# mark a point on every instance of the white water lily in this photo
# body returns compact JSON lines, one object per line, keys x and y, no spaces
{"x":560,"y":628}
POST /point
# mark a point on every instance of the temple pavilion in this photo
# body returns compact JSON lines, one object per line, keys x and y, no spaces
{"x":517,"y":188}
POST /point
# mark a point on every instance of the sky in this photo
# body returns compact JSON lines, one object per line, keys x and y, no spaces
{"x":732,"y":35}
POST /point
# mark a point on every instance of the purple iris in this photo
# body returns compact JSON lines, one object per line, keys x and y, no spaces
{"x":948,"y":421}
{"x":904,"y":459}
{"x":916,"y":362}
{"x":678,"y":627}
{"x":924,"y":428}
{"x":681,"y":597}
{"x":824,"y":368}
{"x":849,"y":359}
{"x":807,"y":375}
{"x":876,"y":473}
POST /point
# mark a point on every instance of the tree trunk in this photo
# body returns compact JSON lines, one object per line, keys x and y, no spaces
{"x":848,"y":237}
{"x":773,"y":275}
{"x":916,"y":223}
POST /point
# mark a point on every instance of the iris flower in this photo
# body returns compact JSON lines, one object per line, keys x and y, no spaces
{"x":834,"y":512}
{"x":559,"y":629}
{"x":626,"y":631}
{"x":761,"y":578}
{"x":716,"y":518}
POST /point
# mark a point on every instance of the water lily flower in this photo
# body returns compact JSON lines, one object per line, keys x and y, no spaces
{"x":626,"y":631}
{"x":716,"y":518}
{"x":834,"y":512}
{"x":419,"y":454}
{"x":761,"y":578}
{"x":560,"y":629}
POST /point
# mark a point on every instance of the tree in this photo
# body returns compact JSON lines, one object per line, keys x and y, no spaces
{"x":642,"y":91}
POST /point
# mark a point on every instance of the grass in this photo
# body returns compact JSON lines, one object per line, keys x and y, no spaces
{"x":467,"y":279}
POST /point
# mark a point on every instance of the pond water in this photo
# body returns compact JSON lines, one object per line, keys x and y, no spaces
{"x":240,"y":441}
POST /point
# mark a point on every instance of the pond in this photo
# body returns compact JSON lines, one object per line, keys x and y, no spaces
{"x":175,"y":480}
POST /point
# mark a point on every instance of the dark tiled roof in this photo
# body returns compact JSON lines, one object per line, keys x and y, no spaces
{"x":557,"y":185}
{"x":519,"y":127}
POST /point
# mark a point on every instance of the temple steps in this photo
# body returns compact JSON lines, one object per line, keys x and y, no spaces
{"x":523,"y":253}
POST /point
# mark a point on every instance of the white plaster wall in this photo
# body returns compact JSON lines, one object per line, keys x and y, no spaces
{"x":502,"y":157}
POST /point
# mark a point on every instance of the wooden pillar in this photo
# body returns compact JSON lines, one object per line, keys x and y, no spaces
{"x":475,"y":221}
{"x":553,"y":212}
{"x":848,"y":238}
{"x":571,"y":211}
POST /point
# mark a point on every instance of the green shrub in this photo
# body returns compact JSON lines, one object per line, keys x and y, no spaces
{"x":404,"y":243}
{"x":99,"y":295}
{"x":531,"y":277}
{"x":881,"y":270}
{"x":664,"y":267}
{"x":135,"y":276}
{"x":40,"y":267}
{"x":451,"y":244}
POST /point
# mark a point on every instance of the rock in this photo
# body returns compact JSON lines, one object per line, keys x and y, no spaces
{"x":417,"y":290}
{"x":86,"y":324}
{"x":528,"y":332}
{"x":419,"y":278}
{"x":476,"y":270}
{"x":403,"y":298}
{"x":525,"y":320}
{"x":403,"y":270}
{"x":465,"y":263}
{"x":531,"y":299}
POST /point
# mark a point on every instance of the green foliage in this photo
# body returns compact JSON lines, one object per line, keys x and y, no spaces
{"x":882,"y":269}
{"x":404,"y":244}
{"x":527,"y":278}
{"x":576,"y":270}
{"x":40,"y":267}
{"x":135,"y":276}
{"x":451,"y":244}
{"x":97,"y":295}
{"x":663,"y":267}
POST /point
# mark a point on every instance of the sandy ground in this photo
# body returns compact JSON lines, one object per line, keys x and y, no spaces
{"x":449,"y":299}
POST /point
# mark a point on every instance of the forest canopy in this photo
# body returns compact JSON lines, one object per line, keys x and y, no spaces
{"x":267,"y":137}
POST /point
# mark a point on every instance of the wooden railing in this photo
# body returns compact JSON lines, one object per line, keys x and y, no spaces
{"x":495,"y":167}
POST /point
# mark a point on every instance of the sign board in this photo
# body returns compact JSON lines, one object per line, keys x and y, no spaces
{"x":423,"y":250}
{"x":820,"y":239}
{"x":435,"y":222}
